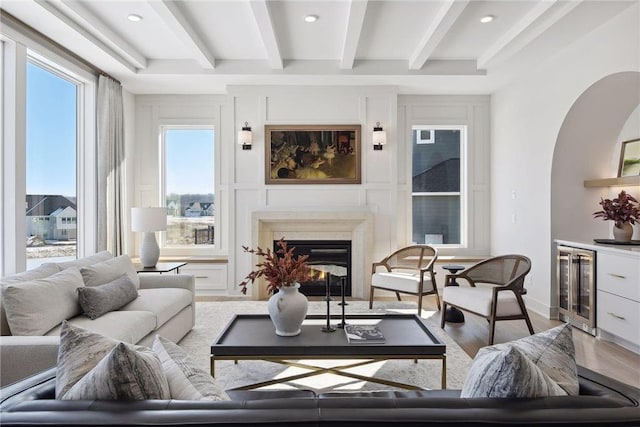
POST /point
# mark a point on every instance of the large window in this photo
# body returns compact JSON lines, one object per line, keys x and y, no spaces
{"x":51,"y":141}
{"x":189,"y":186}
{"x":437,"y":187}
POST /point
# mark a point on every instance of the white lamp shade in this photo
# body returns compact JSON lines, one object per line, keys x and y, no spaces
{"x":379,"y":137}
{"x":148,"y":219}
{"x":244,"y":137}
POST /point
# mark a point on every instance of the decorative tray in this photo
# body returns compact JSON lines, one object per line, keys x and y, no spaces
{"x":615,"y":242}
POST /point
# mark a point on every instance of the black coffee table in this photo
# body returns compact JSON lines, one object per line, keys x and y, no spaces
{"x":252,"y":337}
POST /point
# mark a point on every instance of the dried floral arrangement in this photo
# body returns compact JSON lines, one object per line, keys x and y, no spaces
{"x":621,"y":209}
{"x":279,"y":267}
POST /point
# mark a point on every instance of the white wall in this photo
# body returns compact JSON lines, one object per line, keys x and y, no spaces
{"x":526,"y":118}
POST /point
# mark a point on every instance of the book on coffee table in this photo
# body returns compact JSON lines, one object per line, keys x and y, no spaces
{"x":363,"y":334}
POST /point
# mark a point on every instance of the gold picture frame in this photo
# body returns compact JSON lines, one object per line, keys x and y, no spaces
{"x":629,"y":158}
{"x":312,"y":154}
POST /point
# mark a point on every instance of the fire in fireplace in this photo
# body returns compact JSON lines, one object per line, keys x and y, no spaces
{"x":335,"y":252}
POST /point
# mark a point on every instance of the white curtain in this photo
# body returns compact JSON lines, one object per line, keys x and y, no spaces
{"x":111,"y":167}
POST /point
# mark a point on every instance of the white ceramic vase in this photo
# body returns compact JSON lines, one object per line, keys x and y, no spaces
{"x":624,"y":233}
{"x":287,"y":309}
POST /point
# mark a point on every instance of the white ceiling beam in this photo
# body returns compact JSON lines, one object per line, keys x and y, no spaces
{"x":357,"y":10}
{"x":531,"y":26}
{"x":97,"y":27}
{"x":442,"y":23}
{"x":82,"y":32}
{"x":262,"y":16}
{"x":177,"y":23}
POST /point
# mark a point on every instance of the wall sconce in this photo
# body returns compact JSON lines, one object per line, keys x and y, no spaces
{"x":379,"y":137}
{"x":244,"y":137}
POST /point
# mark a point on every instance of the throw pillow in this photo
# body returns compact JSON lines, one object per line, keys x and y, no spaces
{"x":506,"y":372}
{"x":109,"y":270}
{"x":98,"y":300}
{"x":88,"y":260}
{"x":35,"y":307}
{"x":125,"y":373}
{"x":186,"y":380}
{"x":79,"y":352}
{"x":552,"y":351}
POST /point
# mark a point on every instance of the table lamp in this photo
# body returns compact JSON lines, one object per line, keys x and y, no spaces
{"x":149,"y":220}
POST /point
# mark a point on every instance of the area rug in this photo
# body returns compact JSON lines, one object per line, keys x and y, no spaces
{"x":211,"y":317}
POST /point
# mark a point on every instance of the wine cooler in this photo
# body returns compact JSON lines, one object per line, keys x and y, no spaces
{"x":576,"y":287}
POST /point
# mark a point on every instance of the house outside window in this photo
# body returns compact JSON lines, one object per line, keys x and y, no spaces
{"x":438,"y":170}
{"x":188,"y":187}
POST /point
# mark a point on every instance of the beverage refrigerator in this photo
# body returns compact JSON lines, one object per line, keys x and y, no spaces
{"x":576,"y":287}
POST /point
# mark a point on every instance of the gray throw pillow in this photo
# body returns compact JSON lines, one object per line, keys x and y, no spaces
{"x":506,"y":372}
{"x":79,"y":352}
{"x":98,"y":300}
{"x":186,"y":380}
{"x":552,"y":351}
{"x":109,"y":270}
{"x":125,"y":373}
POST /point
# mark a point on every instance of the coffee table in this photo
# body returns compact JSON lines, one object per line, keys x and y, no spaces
{"x":252,"y":337}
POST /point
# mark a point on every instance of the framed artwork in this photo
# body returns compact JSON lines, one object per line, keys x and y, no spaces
{"x":630,"y":158}
{"x":312,"y":154}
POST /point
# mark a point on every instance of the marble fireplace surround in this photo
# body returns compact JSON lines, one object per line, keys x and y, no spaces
{"x":354,"y":225}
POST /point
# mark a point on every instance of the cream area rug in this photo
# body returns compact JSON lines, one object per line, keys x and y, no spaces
{"x":211,"y":318}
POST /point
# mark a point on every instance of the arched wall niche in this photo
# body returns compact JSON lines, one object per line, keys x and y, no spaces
{"x":588,"y":147}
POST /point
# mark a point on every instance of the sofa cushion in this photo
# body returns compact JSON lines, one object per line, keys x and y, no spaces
{"x":79,"y":352}
{"x":125,"y":373}
{"x":109,"y":270}
{"x":40,"y":272}
{"x":88,"y":260}
{"x":35,"y":307}
{"x":163,"y":302}
{"x":506,"y":372}
{"x":553,"y":351}
{"x":186,"y":380}
{"x":98,"y":300}
{"x":127,"y":326}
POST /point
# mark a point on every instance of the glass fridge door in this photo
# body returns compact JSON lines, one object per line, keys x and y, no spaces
{"x":564,"y":279}
{"x":584,"y":285}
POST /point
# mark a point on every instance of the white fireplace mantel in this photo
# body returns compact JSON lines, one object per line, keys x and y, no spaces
{"x":354,"y":225}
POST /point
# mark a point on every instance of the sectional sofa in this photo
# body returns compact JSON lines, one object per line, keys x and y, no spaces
{"x":35,"y":303}
{"x":602,"y":402}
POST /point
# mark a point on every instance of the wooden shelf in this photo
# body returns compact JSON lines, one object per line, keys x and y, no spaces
{"x":612,"y":182}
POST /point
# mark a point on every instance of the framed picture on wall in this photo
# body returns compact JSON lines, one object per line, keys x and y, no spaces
{"x":630,"y":158}
{"x":312,"y":154}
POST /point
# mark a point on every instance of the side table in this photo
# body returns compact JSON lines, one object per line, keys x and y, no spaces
{"x":452,"y":314}
{"x":161,"y":267}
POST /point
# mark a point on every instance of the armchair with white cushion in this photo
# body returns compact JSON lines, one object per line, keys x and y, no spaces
{"x":494,"y":288}
{"x":409,"y":270}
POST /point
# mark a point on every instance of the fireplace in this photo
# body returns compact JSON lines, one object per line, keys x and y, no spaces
{"x":335,"y":252}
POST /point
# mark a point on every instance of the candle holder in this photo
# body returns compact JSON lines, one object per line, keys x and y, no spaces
{"x":328,"y":327}
{"x":343,"y":283}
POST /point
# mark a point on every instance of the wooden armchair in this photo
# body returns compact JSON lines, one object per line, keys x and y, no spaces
{"x":409,"y":270}
{"x":495,"y":290}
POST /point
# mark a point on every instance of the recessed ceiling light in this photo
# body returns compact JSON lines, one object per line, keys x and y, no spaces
{"x":486,"y":19}
{"x":134,"y":18}
{"x":311,"y":18}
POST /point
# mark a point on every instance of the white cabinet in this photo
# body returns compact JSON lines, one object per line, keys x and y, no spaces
{"x":618,"y":297}
{"x":208,"y":276}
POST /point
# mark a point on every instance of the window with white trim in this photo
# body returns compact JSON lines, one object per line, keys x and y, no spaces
{"x":188,"y":190}
{"x":438,"y":170}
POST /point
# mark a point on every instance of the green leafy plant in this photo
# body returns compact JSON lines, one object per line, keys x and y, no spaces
{"x":279,"y":267}
{"x":623,"y":208}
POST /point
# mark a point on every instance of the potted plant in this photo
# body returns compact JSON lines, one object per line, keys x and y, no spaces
{"x":283,"y":272}
{"x":624,"y":211}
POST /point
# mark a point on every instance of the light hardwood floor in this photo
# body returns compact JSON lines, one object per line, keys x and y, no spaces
{"x":601,"y":356}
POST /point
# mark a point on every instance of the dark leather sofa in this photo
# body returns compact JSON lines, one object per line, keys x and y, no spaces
{"x":602,"y":402}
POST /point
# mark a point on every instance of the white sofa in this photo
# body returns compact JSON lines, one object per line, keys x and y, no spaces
{"x":165,"y":305}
